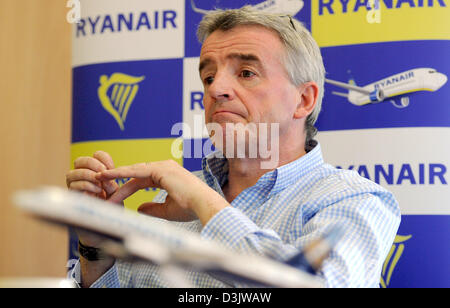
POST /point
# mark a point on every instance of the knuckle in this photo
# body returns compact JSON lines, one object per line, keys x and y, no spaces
{"x":73,"y":186}
{"x":98,"y":153}
{"x":171,"y":162}
{"x":88,"y":186}
{"x":140,"y":166}
{"x":99,"y":156}
{"x":87,"y":174}
{"x":84,"y":186}
{"x":104,"y":158}
{"x":69,"y":174}
{"x":94,"y":164}
{"x":68,"y":178}
{"x":80,"y":162}
{"x":77,"y":162}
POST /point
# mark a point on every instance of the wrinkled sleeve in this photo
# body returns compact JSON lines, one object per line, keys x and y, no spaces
{"x":108,"y":280}
{"x":120,"y":275}
{"x":370,"y":219}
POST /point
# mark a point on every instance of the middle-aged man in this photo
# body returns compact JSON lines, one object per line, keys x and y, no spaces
{"x":255,"y":68}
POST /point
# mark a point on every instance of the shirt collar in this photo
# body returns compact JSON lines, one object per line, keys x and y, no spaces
{"x":215,"y":167}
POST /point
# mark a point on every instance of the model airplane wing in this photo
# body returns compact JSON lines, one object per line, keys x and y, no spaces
{"x":348,"y":86}
{"x":157,"y":240}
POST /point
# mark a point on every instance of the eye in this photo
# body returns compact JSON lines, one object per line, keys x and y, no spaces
{"x":208,"y":80}
{"x":247,"y":74}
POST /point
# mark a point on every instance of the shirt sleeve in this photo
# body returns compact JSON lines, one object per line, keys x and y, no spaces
{"x":120,"y":275}
{"x":370,"y":220}
{"x":236,"y":231}
{"x":108,"y":280}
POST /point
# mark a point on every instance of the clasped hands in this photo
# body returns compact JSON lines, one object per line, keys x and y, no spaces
{"x":188,"y":197}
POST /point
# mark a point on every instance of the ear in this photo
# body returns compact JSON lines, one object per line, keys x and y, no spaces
{"x":308,"y":94}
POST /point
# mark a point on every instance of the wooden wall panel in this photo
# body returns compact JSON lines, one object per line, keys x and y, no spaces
{"x":35,"y":100}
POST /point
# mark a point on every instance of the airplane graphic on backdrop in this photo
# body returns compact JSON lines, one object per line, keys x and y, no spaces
{"x":395,"y":88}
{"x":289,"y":7}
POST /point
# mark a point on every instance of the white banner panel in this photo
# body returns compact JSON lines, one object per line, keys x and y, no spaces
{"x":193,"y":109}
{"x":117,"y":30}
{"x":410,"y":162}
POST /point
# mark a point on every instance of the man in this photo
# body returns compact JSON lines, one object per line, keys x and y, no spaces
{"x":256,"y":68}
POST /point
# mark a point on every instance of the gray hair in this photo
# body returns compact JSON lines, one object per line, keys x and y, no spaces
{"x":303,"y":60}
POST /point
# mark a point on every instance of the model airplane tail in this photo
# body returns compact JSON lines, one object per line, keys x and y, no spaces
{"x":340,"y":94}
{"x":376,"y":95}
{"x":156,"y":240}
{"x":348,"y":86}
{"x":196,"y":9}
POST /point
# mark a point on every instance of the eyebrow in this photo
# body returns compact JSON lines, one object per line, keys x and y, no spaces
{"x":236,"y":56}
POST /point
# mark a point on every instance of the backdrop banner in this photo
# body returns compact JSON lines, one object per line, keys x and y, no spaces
{"x":385,"y":115}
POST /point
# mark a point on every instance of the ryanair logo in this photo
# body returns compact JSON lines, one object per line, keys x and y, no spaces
{"x":392,"y":259}
{"x":117,"y":93}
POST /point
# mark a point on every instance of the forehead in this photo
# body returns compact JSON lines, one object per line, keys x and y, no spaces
{"x":245,"y":39}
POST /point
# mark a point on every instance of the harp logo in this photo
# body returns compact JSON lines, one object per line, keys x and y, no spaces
{"x":117,"y":93}
{"x":392,"y":259}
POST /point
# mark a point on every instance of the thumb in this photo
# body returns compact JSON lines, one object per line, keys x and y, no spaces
{"x":167,"y":211}
{"x":126,"y":190}
{"x":154,"y":209}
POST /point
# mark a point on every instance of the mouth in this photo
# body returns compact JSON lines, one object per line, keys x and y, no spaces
{"x":226,"y":113}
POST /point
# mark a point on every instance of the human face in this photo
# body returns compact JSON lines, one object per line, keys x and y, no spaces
{"x":245,"y":80}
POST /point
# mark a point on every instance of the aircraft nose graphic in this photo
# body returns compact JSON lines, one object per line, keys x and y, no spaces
{"x":441,"y":79}
{"x":295,"y":7}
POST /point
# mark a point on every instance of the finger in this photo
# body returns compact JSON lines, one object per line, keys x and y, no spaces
{"x":127,"y":190}
{"x":85,"y":186}
{"x":81,"y":175}
{"x":166,"y":210}
{"x":100,"y":195}
{"x":141,"y":170}
{"x":105,"y":159}
{"x":89,"y":193}
{"x":91,"y":163}
{"x":154,"y":209}
{"x":110,"y":187}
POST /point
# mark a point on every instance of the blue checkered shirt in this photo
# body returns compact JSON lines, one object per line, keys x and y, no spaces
{"x":284,"y":211}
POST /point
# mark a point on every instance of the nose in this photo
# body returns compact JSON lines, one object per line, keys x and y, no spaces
{"x":441,"y":79}
{"x":221,"y":89}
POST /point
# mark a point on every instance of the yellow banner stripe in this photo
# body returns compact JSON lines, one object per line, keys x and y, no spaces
{"x":336,"y":24}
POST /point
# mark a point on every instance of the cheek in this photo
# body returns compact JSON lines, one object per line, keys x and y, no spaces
{"x":280,"y":107}
{"x":256,"y":102}
{"x":207,"y":105}
{"x":269,"y":106}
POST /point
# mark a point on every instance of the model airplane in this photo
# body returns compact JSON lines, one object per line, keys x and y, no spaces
{"x":160,"y":242}
{"x":289,"y":7}
{"x":398,"y":86}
